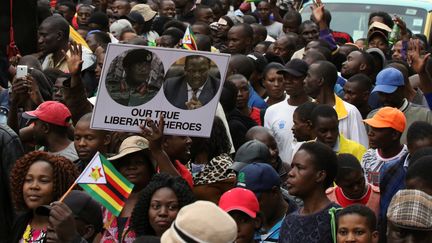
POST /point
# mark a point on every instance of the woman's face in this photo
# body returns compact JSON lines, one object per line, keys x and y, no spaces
{"x":38,"y":186}
{"x":274,"y":84}
{"x":303,"y":175}
{"x":163,"y":210}
{"x":137,"y":169}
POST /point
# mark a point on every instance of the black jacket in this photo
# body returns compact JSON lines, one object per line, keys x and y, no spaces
{"x":239,"y":124}
{"x":19,"y":226}
{"x":10,"y":150}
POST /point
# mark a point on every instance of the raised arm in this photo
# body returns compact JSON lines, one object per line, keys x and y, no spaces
{"x":75,"y":96}
{"x":154,"y":134}
{"x":418,"y":64}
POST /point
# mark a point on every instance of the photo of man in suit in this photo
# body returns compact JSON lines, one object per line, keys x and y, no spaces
{"x":195,"y":88}
{"x":134,"y":77}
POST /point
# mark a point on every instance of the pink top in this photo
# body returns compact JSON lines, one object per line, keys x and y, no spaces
{"x":33,"y":235}
{"x":110,"y":233}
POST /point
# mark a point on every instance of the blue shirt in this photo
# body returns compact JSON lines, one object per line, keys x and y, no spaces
{"x":255,"y":100}
{"x":392,"y":179}
{"x":271,"y":235}
{"x":429,"y":99}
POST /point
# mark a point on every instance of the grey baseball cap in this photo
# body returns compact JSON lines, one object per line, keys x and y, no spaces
{"x":250,"y":152}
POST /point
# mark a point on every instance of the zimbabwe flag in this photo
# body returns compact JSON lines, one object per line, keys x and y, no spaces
{"x":105,"y":184}
{"x":189,"y":42}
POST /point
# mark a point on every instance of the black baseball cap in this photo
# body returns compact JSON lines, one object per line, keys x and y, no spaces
{"x":134,"y":17}
{"x":295,"y":67}
{"x":85,"y":208}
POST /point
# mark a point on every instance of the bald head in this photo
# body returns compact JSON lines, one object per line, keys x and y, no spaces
{"x":240,"y":39}
{"x":312,"y":56}
{"x":257,"y":131}
{"x":58,"y":24}
{"x":264,"y":135}
{"x":53,"y":35}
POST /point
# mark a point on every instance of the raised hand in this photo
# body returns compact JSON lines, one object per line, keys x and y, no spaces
{"x":402,"y":25}
{"x":318,"y":11}
{"x":415,"y":59}
{"x":62,"y":222}
{"x":20,"y":90}
{"x":74,"y":61}
{"x":153,"y":133}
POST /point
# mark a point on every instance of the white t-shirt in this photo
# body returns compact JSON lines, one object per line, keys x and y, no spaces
{"x":298,"y":54}
{"x":279,"y":119}
{"x":69,"y":152}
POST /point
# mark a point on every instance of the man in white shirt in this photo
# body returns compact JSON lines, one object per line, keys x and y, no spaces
{"x":279,"y":117}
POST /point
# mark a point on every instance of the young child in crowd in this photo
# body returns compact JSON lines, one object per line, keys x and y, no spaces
{"x":352,"y":187}
{"x":325,"y":125}
{"x":313,"y":170}
{"x":356,"y":223}
{"x":37,"y":179}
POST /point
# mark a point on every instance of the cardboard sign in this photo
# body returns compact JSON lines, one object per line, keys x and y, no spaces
{"x":138,"y":82}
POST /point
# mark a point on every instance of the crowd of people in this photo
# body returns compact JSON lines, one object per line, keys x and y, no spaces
{"x":317,"y":138}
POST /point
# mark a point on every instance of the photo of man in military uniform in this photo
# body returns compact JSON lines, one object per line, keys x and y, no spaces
{"x":134,"y":77}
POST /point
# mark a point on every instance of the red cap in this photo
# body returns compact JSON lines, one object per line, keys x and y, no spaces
{"x":52,"y":112}
{"x":240,"y":199}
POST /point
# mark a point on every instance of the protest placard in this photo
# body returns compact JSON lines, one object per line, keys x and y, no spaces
{"x":138,"y":82}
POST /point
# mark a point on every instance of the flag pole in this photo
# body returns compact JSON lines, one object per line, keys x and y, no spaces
{"x":67,"y":192}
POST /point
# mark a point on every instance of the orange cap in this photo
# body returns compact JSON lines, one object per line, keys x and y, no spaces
{"x":388,"y":117}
